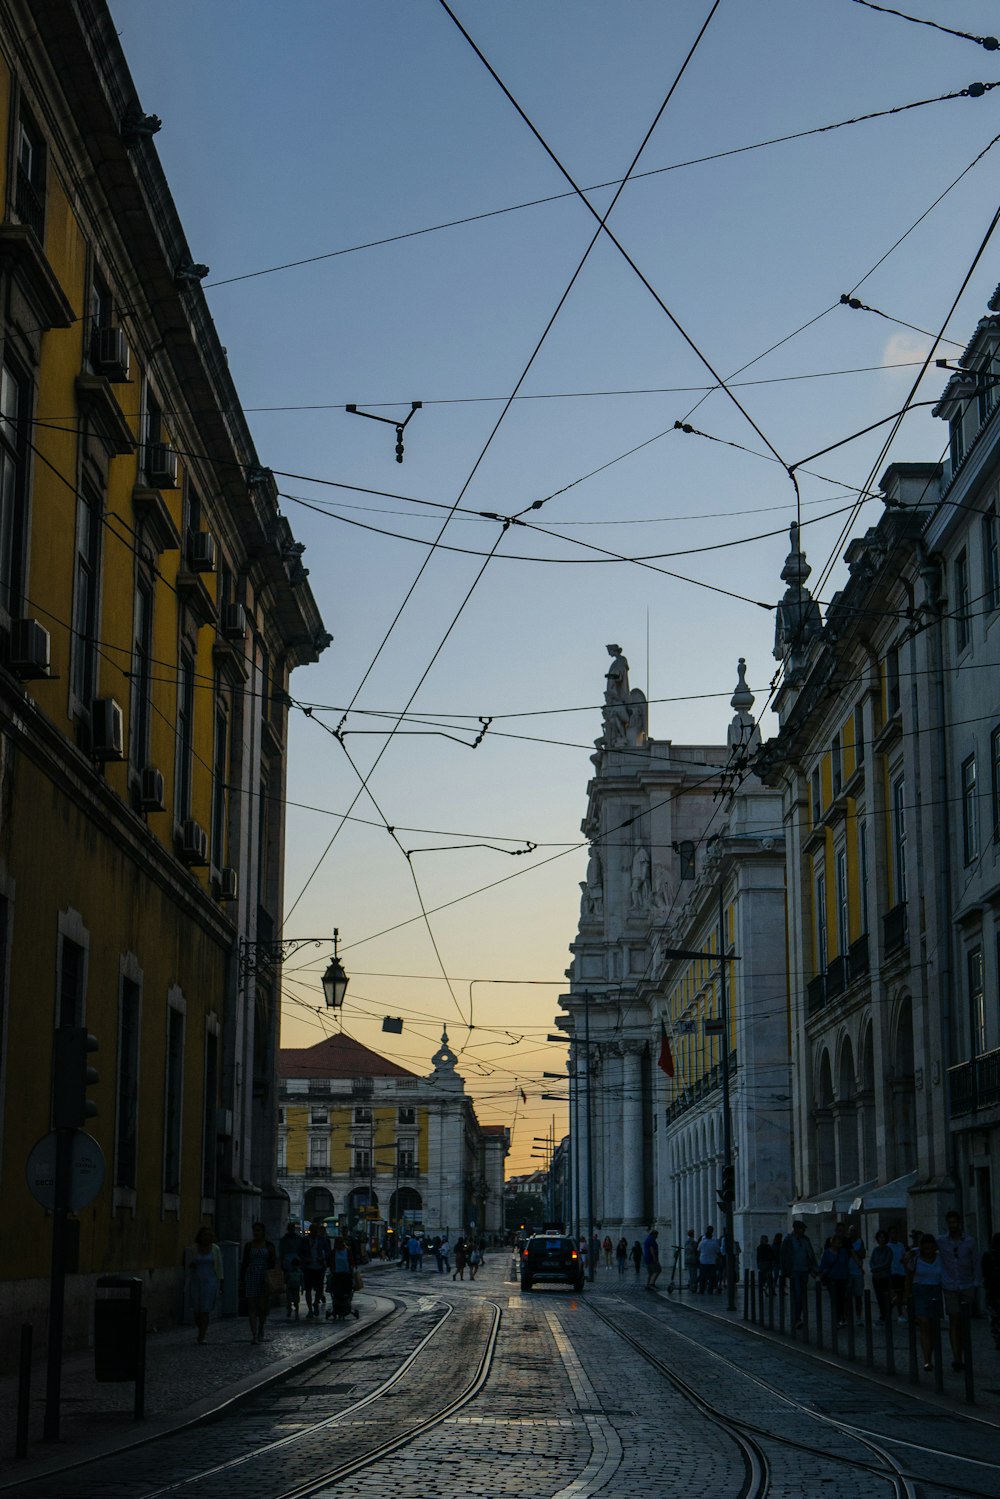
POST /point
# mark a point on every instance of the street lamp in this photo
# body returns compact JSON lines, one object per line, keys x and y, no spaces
{"x":261,"y":957}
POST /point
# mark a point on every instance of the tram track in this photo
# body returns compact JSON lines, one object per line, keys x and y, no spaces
{"x":886,"y":1467}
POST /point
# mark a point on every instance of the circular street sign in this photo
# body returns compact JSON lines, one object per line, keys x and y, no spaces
{"x":86,"y":1172}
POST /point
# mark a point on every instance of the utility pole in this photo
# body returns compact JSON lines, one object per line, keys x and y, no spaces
{"x":728,"y":1168}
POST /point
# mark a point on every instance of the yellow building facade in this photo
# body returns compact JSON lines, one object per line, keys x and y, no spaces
{"x":152,"y":607}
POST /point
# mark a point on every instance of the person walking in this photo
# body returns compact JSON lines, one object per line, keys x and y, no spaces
{"x":691,"y":1260}
{"x":857,"y":1254}
{"x":636,"y":1254}
{"x":416,"y":1253}
{"x":709,"y":1248}
{"x":460,"y":1260}
{"x":798,"y":1263}
{"x":959,"y":1280}
{"x":924,"y":1281}
{"x":445,"y":1253}
{"x":833,"y":1273}
{"x":990,"y":1271}
{"x":765,"y":1266}
{"x":204,"y":1279}
{"x":651,"y":1258}
{"x":290,"y":1246}
{"x":880,"y":1264}
{"x":621,"y":1254}
{"x":608,"y":1247}
{"x":259,"y":1256}
{"x":314,"y":1256}
{"x":475,"y":1259}
{"x":293,"y":1287}
{"x":897,"y":1275}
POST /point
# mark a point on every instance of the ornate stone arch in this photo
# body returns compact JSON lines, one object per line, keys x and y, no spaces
{"x":866,"y":1101}
{"x":902,"y":1103}
{"x":846,"y":1113}
{"x":823,"y":1124}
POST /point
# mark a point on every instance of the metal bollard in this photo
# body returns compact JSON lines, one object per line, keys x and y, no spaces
{"x":781,"y":1306}
{"x":965,"y":1315}
{"x":819,"y":1316}
{"x":851,"y":1340}
{"x":23,"y":1390}
{"x":746,"y":1295}
{"x":890,"y":1352}
{"x":834,"y":1327}
{"x":937,"y":1344}
{"x":869,"y":1340}
{"x":912,"y":1337}
{"x":760,"y":1300}
{"x":753,"y":1295}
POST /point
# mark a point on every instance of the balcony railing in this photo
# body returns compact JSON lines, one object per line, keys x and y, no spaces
{"x":894,"y":928}
{"x":974,"y":1085}
{"x":318,"y":1171}
{"x":705,"y":1085}
{"x":816,"y":994}
{"x":836,"y":977}
{"x":29,"y":203}
{"x":857,"y":960}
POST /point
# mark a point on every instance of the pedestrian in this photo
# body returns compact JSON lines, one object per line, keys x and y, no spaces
{"x":436,"y":1247}
{"x":651,"y":1258}
{"x":924,"y":1282}
{"x":621,"y":1254}
{"x":691,"y":1260}
{"x":475,"y":1259}
{"x":779,"y":1279}
{"x":798,"y":1263}
{"x":594,"y":1251}
{"x":416,"y":1255}
{"x":204,"y":1279}
{"x":608,"y":1247}
{"x":636,"y":1254}
{"x":708,"y":1256}
{"x":404,"y":1252}
{"x":290,"y":1245}
{"x":880,"y":1264}
{"x":960,"y":1277}
{"x":990,"y":1269}
{"x":460,"y":1258}
{"x":833,"y":1273}
{"x":445,"y":1253}
{"x":259,"y":1256}
{"x":341,"y":1277}
{"x":897,"y":1275}
{"x":857,"y":1253}
{"x":293,"y":1287}
{"x":765,"y":1266}
{"x":314,"y":1256}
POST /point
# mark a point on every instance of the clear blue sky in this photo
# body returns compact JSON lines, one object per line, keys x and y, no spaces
{"x":297,"y":130}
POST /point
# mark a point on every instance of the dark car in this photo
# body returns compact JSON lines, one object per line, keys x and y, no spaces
{"x":550,"y":1257}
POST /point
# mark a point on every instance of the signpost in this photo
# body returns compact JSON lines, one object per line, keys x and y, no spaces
{"x":86,"y":1170}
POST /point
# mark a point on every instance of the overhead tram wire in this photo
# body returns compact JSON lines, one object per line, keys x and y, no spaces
{"x":507,"y":406}
{"x":990,"y":43}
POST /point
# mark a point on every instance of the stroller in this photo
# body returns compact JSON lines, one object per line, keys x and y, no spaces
{"x":340,"y":1287}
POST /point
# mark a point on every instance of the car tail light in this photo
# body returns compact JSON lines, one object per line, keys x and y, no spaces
{"x":573,"y":1255}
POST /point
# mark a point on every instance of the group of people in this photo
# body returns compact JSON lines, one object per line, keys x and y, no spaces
{"x":705,"y":1261}
{"x":468,"y":1254}
{"x":937,"y":1275}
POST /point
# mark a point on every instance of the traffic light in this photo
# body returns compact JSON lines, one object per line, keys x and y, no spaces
{"x":72,"y":1076}
{"x":726,"y":1195}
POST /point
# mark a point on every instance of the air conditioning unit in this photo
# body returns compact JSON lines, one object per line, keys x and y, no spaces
{"x":228,"y":884}
{"x":194,"y":843}
{"x":111,"y":354}
{"x":107,"y":729}
{"x":29,"y":648}
{"x":233,"y":624}
{"x":201,"y":551}
{"x":161,"y":465}
{"x":224,"y":1123}
{"x":151,"y":789}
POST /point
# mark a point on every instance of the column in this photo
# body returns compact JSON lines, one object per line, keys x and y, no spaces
{"x":611,"y":1142}
{"x":632,"y":1135}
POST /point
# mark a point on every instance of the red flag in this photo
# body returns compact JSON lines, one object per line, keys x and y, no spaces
{"x":666,"y":1058}
{"x":524,"y":1096}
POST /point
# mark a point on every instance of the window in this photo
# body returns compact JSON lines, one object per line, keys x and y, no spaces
{"x":282,"y":1152}
{"x":319,"y":1116}
{"x":970,"y":821}
{"x":892,"y":681}
{"x":127,"y":1100}
{"x":843,"y":913}
{"x":963,"y":619}
{"x":71,"y":981}
{"x":977,"y":1011}
{"x":956,"y":441}
{"x":141,"y":701}
{"x":319,"y":1152}
{"x":185,"y":735}
{"x":220,"y":767}
{"x":817,"y":797}
{"x":362,"y":1158}
{"x":209,"y":1134}
{"x":407,"y":1154}
{"x":13,"y":473}
{"x":837,"y":765}
{"x":995,"y":782}
{"x":173,"y":1102}
{"x":362,"y":1116}
{"x":409,"y":1116}
{"x":863,"y":868}
{"x":859,"y":735}
{"x":29,"y":191}
{"x":899,"y":839}
{"x":820,"y":921}
{"x":86,"y":595}
{"x":987,"y":388}
{"x":991,"y":561}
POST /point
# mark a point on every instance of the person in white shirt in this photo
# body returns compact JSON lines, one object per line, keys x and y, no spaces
{"x":709,"y":1250}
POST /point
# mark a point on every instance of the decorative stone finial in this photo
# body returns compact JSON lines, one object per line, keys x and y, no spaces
{"x":797,"y":620}
{"x":743,"y":732}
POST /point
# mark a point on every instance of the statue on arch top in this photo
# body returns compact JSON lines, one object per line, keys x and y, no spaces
{"x":625,"y":709}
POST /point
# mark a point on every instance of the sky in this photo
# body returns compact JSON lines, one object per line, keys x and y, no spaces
{"x":345,"y":135}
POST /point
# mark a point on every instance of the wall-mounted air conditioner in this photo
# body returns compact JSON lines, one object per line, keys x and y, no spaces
{"x":107,"y":729}
{"x":201,"y":551}
{"x":233,"y":623}
{"x":161,"y":465}
{"x":151,"y":789}
{"x":110,"y":354}
{"x":228,"y":884}
{"x":29,"y":648}
{"x":194,"y":843}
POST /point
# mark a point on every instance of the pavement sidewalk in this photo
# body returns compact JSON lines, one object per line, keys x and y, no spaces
{"x":184,"y":1383}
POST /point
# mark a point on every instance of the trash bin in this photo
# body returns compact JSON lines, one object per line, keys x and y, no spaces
{"x":116,"y":1327}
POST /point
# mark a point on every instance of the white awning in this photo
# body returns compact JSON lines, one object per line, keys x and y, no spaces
{"x":837,"y":1203}
{"x":890,"y":1197}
